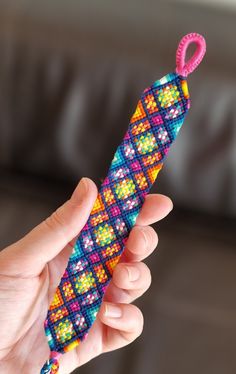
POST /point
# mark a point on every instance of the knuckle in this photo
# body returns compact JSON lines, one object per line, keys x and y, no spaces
{"x":146,"y":277}
{"x":59,"y":217}
{"x":144,"y":269}
{"x":119,"y":274}
{"x":155,"y":237}
{"x":119,"y":267}
{"x":139,"y":322}
{"x":56,"y":222}
{"x":152,"y":237}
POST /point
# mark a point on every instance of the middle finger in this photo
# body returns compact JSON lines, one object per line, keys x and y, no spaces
{"x":129,"y":282}
{"x":141,"y":243}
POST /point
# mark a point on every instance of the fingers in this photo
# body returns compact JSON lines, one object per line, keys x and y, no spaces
{"x":46,"y":240}
{"x":132,"y":278}
{"x":130,"y":281}
{"x":143,"y":239}
{"x":124,"y":324}
{"x":141,"y":243}
{"x":155,"y":208}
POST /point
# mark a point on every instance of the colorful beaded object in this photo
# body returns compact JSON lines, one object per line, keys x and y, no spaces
{"x":153,"y":127}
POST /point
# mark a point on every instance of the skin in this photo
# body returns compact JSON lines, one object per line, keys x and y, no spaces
{"x":30,"y":271}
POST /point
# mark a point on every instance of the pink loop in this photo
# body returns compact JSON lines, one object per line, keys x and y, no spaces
{"x":184,"y":68}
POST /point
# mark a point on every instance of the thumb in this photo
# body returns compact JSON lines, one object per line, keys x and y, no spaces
{"x":47,"y":239}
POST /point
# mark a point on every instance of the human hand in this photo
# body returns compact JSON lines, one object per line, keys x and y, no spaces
{"x":30,"y":271}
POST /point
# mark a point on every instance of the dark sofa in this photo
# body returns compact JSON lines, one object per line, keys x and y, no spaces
{"x":70,"y":76}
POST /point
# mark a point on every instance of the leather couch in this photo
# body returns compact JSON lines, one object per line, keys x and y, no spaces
{"x":70,"y":76}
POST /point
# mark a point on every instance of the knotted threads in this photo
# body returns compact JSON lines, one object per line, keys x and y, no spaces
{"x":52,"y":365}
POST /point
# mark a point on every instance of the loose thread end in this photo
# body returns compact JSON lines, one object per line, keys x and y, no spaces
{"x":51,"y":366}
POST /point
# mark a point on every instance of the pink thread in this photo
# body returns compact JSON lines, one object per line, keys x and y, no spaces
{"x":184,"y":68}
{"x":55,"y":355}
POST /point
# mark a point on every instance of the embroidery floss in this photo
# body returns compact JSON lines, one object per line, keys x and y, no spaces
{"x":153,"y":127}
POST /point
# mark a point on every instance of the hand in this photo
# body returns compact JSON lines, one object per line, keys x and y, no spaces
{"x":30,"y":271}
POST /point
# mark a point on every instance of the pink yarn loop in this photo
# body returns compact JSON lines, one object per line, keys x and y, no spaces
{"x":185,"y":68}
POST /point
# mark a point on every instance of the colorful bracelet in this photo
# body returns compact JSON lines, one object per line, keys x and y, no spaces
{"x":153,"y":127}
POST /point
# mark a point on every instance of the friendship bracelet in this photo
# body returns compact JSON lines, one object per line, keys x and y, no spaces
{"x":153,"y":128}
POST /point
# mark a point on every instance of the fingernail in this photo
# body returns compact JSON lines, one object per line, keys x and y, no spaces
{"x":112,"y":311}
{"x":133,"y":273}
{"x":82,"y":189}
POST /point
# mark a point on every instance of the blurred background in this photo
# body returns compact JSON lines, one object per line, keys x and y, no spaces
{"x":71,"y":73}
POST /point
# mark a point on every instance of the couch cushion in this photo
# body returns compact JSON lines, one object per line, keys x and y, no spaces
{"x":70,"y":79}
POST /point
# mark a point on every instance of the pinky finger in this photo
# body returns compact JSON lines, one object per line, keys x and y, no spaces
{"x":123,"y":322}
